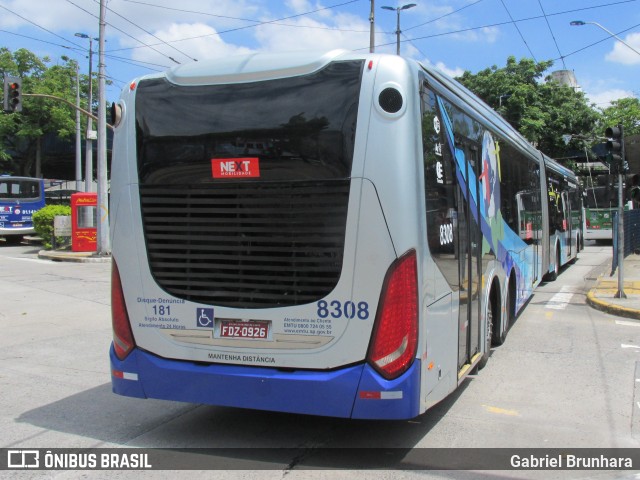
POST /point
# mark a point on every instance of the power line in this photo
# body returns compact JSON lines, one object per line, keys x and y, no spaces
{"x":125,"y":33}
{"x":78,"y":49}
{"x":149,"y":33}
{"x":256,"y":23}
{"x":83,"y":51}
{"x":518,"y":29}
{"x":442,"y":16}
{"x":552,"y":35}
{"x":40,"y":26}
{"x":599,"y":41}
{"x":499,"y":24}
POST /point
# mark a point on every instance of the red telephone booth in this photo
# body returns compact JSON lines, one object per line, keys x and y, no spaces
{"x":84,"y":224}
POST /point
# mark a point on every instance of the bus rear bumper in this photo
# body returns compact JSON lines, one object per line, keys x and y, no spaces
{"x":351,"y":392}
{"x":597,"y":234}
{"x":16,"y":231}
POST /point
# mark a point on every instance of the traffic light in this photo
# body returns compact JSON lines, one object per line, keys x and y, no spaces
{"x":12,"y":94}
{"x":615,"y":149}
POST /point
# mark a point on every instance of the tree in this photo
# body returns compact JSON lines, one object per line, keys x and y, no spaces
{"x":21,"y":133}
{"x":625,"y":111}
{"x":541,"y":109}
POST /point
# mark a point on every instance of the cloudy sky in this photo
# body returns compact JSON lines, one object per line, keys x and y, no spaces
{"x":146,"y":36}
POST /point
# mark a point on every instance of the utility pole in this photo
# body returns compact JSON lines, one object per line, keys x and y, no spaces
{"x":78,"y":133}
{"x":88,"y":159}
{"x":372,"y":28}
{"x":103,"y":241}
{"x":88,"y":174}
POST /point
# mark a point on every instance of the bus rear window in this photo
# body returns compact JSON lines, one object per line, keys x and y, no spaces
{"x":15,"y":189}
{"x":297,"y":128}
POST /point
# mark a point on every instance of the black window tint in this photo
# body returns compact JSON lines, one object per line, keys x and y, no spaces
{"x":299,"y":128}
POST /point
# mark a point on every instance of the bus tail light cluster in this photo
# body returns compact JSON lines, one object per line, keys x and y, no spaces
{"x":395,"y":333}
{"x":123,"y":341}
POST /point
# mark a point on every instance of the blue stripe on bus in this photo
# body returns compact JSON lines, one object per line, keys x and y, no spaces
{"x":333,"y":393}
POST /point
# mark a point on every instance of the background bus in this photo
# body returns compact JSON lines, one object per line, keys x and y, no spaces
{"x":600,"y":205}
{"x":20,"y":198}
{"x":341,"y":234}
{"x":565,"y":217}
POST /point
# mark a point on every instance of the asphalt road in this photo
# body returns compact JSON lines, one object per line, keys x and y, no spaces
{"x":566,"y":377}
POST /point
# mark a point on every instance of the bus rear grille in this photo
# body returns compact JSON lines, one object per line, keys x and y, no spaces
{"x":247,"y":245}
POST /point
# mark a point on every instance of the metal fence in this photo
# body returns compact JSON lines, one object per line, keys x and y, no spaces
{"x":631,"y":235}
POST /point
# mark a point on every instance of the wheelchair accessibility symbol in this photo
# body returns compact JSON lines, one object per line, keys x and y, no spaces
{"x":204,"y":317}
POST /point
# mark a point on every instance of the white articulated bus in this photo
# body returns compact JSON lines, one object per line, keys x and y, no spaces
{"x":333,"y":234}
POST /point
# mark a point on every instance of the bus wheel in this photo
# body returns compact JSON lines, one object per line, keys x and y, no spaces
{"x":13,"y":239}
{"x":501,"y":322}
{"x":491,"y":317}
{"x":556,"y":268}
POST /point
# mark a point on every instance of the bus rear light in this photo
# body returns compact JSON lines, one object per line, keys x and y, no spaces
{"x":395,"y":333}
{"x":123,"y":341}
{"x":124,"y":375}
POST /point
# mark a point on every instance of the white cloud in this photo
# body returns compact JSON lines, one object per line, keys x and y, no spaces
{"x":202,"y":41}
{"x":623,"y":54}
{"x":299,"y":6}
{"x":305,"y":33}
{"x":452,"y":72}
{"x":54,"y":15}
{"x":604,"y":98}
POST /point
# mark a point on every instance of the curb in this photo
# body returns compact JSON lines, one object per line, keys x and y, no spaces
{"x":77,"y":257}
{"x":609,"y":288}
{"x":611,"y":308}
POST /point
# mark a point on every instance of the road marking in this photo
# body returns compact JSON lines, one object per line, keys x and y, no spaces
{"x":627,"y":324}
{"x":37,"y":260}
{"x":561,"y":299}
{"x":623,"y":345}
{"x":501,"y":411}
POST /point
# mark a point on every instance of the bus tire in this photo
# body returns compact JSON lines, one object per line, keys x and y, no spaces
{"x":492,"y":315}
{"x":13,"y":239}
{"x":556,"y":267}
{"x":501,"y":322}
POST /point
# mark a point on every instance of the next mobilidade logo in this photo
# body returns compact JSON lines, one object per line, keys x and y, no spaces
{"x":235,"y":167}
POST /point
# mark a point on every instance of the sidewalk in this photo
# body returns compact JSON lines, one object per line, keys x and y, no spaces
{"x":602,"y":295}
{"x":68,"y":256}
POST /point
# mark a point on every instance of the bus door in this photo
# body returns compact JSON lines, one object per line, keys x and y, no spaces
{"x":530,"y":225}
{"x":567,"y":227}
{"x":468,"y":248}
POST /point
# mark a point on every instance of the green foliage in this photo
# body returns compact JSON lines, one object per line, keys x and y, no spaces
{"x":625,"y":111}
{"x":20,"y":133}
{"x":541,"y":109}
{"x":43,"y":222}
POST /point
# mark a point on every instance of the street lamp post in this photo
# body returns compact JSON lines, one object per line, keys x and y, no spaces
{"x":398,"y":31}
{"x":88,"y":181}
{"x":579,"y":23}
